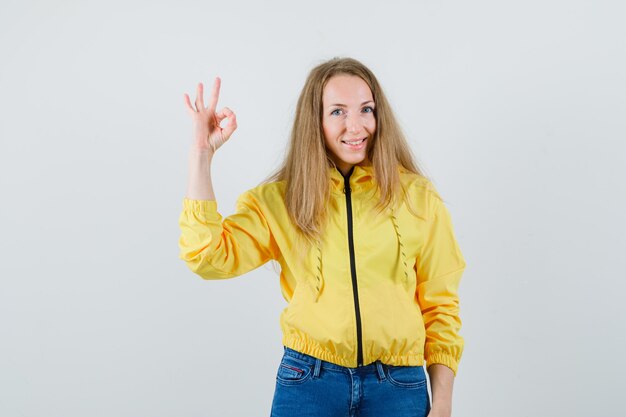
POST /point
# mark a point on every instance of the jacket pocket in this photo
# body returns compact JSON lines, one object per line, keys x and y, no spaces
{"x":406,"y":376}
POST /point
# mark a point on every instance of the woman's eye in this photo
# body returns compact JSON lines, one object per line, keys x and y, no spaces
{"x":337,"y":112}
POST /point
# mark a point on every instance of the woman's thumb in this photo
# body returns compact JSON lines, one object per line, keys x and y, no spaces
{"x":231,"y":126}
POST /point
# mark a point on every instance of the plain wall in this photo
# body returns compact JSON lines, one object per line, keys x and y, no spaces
{"x":516,"y":110}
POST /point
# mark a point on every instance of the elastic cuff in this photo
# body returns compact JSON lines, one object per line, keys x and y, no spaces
{"x":204,"y":208}
{"x":443,"y":359}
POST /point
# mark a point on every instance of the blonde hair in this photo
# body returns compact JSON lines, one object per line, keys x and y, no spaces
{"x":305,"y":167}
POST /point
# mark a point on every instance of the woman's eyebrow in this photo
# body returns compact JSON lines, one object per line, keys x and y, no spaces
{"x":343,"y":105}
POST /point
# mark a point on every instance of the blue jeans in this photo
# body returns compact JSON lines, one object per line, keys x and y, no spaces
{"x":310,"y":387}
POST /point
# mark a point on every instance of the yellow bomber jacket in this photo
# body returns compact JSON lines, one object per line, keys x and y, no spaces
{"x":378,"y":286}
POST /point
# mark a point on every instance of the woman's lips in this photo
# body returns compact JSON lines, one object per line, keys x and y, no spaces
{"x":355,"y":145}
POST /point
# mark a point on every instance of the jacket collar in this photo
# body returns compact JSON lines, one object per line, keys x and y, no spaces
{"x":361,"y":178}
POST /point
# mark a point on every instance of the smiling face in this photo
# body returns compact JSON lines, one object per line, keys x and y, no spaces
{"x":348,"y":120}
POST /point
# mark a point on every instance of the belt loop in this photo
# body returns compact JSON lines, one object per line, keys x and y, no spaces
{"x":381,"y":371}
{"x":318,"y":365}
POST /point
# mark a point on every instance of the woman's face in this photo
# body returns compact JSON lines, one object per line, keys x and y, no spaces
{"x":348,"y":120}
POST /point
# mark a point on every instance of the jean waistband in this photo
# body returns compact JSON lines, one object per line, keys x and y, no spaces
{"x":372,"y":367}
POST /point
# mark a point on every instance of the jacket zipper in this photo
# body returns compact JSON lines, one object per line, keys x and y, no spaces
{"x":355,"y":289}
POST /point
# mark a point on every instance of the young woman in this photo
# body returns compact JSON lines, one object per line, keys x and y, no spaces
{"x":370,"y":266}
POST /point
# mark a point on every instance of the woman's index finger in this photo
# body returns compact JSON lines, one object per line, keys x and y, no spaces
{"x":215,"y":94}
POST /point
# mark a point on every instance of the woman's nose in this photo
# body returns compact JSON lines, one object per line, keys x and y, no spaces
{"x":353,"y":123}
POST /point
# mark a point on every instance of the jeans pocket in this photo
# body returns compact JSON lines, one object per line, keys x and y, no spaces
{"x":406,"y":376}
{"x":292,"y":371}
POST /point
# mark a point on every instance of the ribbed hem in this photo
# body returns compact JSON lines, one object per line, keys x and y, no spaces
{"x":316,"y":351}
{"x":312,"y":348}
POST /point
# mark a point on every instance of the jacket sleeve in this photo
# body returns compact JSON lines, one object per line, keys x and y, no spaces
{"x":215,"y":247}
{"x":440,"y":265}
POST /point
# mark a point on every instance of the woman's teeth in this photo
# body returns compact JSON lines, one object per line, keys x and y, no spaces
{"x":354,"y":142}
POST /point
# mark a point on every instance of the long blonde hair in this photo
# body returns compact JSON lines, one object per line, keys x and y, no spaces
{"x":305,"y":167}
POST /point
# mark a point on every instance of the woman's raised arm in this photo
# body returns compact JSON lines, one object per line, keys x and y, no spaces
{"x":208,"y":136}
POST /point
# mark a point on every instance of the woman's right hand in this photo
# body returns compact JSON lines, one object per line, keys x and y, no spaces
{"x":208,"y":135}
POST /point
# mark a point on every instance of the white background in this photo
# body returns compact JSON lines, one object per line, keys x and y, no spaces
{"x":516,"y":110}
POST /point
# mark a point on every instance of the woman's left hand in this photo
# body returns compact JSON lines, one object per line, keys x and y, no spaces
{"x":441,"y":382}
{"x":438,"y":412}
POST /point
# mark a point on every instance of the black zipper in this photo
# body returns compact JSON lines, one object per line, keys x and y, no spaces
{"x":355,"y":289}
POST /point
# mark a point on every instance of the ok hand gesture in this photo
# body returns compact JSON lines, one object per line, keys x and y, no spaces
{"x":208,"y":135}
